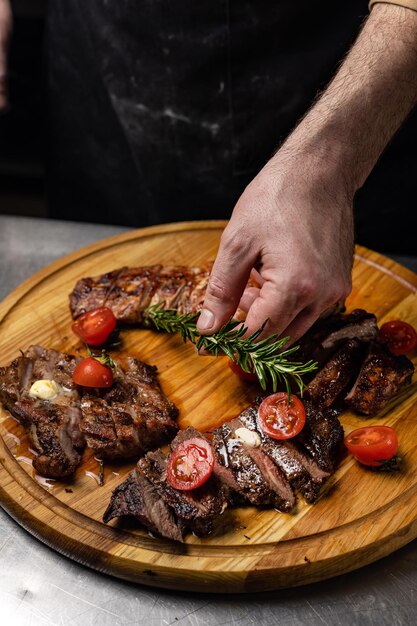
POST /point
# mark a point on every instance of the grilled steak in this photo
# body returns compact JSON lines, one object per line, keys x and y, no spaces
{"x":197,"y":509}
{"x":359,"y":324}
{"x":128,"y":419}
{"x":326,"y":335}
{"x":128,"y":291}
{"x":131,"y":417}
{"x":381,"y":376}
{"x":259,"y":480}
{"x":322,"y":436}
{"x":302,"y":472}
{"x":165,"y":511}
{"x":224,"y":474}
{"x":283,"y":498}
{"x":262,"y":472}
{"x":335,"y":376}
{"x":136,"y":497}
{"x":52,"y":425}
{"x":229,"y":453}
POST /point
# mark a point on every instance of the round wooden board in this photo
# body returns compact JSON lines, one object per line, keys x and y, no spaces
{"x":363,"y":516}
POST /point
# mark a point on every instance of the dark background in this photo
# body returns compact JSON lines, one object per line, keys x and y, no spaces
{"x":22,"y":175}
{"x":388,"y":226}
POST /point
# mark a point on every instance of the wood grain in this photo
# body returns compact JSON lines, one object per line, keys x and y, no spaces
{"x":362,"y":517}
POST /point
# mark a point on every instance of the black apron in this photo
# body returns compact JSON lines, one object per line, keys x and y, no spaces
{"x":162,"y":111}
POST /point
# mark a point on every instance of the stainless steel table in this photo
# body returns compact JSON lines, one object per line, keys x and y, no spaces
{"x":39,"y":586}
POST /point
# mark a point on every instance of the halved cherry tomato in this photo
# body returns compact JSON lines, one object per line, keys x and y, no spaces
{"x":399,"y":336}
{"x":91,"y":373}
{"x":281,"y":418}
{"x":372,"y":445}
{"x":95,"y":327}
{"x":190,"y":465}
{"x":237,"y":369}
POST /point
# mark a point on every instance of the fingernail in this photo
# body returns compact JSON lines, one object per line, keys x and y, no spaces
{"x":206,"y":320}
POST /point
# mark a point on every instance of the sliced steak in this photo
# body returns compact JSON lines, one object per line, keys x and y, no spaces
{"x":229,"y":453}
{"x":53,"y":426}
{"x":136,"y":497}
{"x":302,"y":472}
{"x":259,"y":480}
{"x":197,"y":509}
{"x":133,"y":416}
{"x":336,"y":374}
{"x":282,"y":494}
{"x":381,"y":376}
{"x":283,"y":498}
{"x":224,"y":474}
{"x":359,"y":324}
{"x":326,"y":335}
{"x":322,"y":436}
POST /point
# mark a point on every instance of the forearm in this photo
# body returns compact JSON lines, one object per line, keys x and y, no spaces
{"x":294,"y":221}
{"x":367,"y":101}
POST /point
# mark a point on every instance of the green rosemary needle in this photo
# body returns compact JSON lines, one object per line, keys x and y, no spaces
{"x":266,"y":357}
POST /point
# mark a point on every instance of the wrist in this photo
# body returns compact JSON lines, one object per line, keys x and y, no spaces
{"x":314,"y":164}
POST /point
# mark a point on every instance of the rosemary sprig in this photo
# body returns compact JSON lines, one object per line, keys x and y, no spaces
{"x":265,"y":357}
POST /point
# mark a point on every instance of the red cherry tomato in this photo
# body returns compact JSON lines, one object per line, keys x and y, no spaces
{"x":91,"y":373}
{"x":280,"y":418}
{"x":190,"y":465}
{"x":399,"y":336}
{"x":237,"y":369}
{"x":95,"y":327}
{"x":372,"y":445}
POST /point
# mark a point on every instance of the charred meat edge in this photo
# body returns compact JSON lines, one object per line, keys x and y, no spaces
{"x":136,"y":497}
{"x":381,"y":376}
{"x":322,"y":436}
{"x":334,"y":377}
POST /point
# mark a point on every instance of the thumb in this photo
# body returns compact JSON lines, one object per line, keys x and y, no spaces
{"x":227,"y":282}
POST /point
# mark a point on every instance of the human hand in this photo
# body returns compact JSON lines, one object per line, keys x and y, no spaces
{"x":5,"y":34}
{"x":294,"y":224}
{"x":294,"y":221}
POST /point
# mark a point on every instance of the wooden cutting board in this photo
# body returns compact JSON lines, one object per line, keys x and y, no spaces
{"x":363,"y":516}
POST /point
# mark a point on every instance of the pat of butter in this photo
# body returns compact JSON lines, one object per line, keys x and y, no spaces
{"x":44,"y":389}
{"x":250,"y":437}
